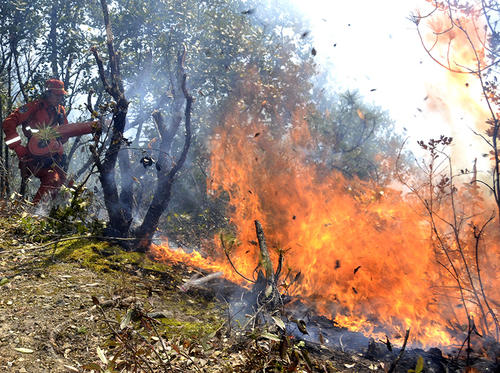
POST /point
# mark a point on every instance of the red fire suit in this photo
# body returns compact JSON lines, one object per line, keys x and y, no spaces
{"x":48,"y":169}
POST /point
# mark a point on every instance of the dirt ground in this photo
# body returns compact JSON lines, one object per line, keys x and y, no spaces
{"x":48,"y":320}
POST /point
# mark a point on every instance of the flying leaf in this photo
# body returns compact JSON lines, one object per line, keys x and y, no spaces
{"x":361,"y":115}
{"x":248,"y":12}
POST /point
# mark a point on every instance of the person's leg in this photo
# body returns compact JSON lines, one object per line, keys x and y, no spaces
{"x":51,"y":180}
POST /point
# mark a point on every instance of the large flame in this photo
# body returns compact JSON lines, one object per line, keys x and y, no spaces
{"x":367,"y":254}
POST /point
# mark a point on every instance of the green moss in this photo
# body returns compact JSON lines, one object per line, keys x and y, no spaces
{"x":190,"y":329}
{"x":102,"y":256}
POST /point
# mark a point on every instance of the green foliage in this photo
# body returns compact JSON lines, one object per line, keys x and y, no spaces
{"x":353,"y":137}
{"x":74,"y":215}
{"x":255,"y":60}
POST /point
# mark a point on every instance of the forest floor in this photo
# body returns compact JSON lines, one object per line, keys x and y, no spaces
{"x":83,"y":305}
{"x":87,"y":305}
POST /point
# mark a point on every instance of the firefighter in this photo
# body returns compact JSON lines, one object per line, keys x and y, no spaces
{"x":35,"y":116}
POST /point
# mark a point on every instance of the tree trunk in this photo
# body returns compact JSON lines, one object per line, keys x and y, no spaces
{"x":53,"y":40}
{"x":145,"y":232}
{"x":119,"y":211}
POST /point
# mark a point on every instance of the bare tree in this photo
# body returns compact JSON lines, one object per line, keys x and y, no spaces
{"x":120,"y":201}
{"x":459,"y":229}
{"x":484,"y":43}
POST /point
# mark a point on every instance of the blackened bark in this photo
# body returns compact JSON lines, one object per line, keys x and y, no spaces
{"x":119,"y":210}
{"x":265,"y":259}
{"x":127,"y":182}
{"x":161,"y":198}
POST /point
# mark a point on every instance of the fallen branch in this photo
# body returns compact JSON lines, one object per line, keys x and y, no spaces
{"x":196,"y":282}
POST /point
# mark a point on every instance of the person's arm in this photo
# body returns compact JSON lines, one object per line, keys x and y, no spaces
{"x":10,"y":124}
{"x":63,"y":121}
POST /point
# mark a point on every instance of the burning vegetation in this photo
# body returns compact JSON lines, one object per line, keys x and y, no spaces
{"x":309,"y":202}
{"x":421,"y":253}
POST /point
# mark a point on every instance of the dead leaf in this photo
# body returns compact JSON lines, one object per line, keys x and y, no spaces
{"x":279,"y":322}
{"x":126,"y":320}
{"x":101,"y":355}
{"x":24,"y":350}
{"x":270,"y":336}
{"x":302,"y":326}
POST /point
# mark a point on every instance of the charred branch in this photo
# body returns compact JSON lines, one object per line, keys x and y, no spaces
{"x":166,"y":177}
{"x":392,"y":368}
{"x":265,"y":259}
{"x":226,"y":252}
{"x":264,"y":297}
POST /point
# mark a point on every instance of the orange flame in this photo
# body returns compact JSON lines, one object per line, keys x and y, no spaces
{"x":365,"y":252}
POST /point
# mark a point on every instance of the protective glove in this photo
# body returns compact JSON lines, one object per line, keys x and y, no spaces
{"x":21,"y":151}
